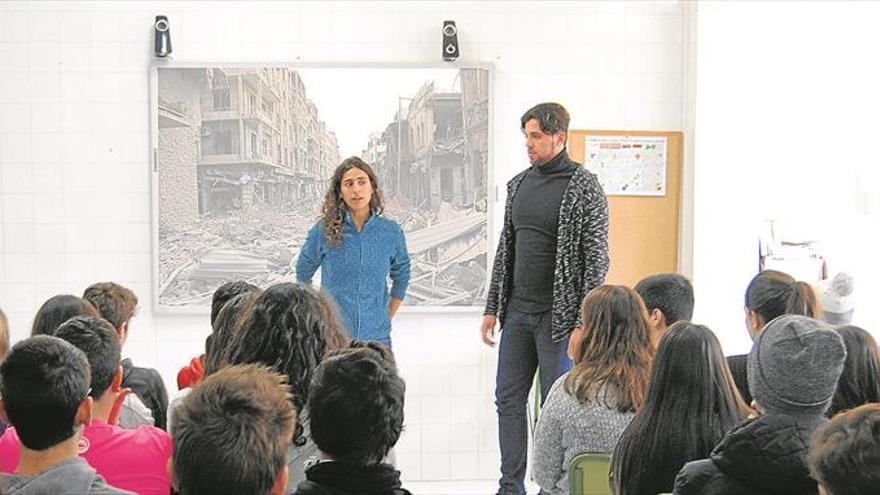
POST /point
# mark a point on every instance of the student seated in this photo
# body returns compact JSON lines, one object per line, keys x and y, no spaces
{"x":58,"y":309}
{"x":356,"y":404}
{"x":290,"y":328}
{"x":132,"y":460}
{"x":224,"y":331}
{"x":845,"y":453}
{"x":860,"y":381}
{"x":770,"y":294}
{"x":117,"y":305}
{"x":44,"y":382}
{"x":589,"y":407}
{"x":231,"y":434}
{"x":194,"y":372}
{"x":690,"y":405}
{"x":793,"y":371}
{"x":669,"y":298}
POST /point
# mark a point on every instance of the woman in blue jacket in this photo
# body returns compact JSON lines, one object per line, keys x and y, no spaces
{"x":357,"y":250}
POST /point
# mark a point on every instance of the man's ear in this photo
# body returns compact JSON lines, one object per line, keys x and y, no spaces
{"x":658,"y":319}
{"x":281,"y":480}
{"x":122,"y":332}
{"x":84,"y":411}
{"x":116,"y":384}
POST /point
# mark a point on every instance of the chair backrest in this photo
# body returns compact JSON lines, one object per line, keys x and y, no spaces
{"x":588,"y":474}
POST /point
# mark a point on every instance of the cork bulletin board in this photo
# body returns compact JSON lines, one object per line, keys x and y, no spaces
{"x":643,"y":230}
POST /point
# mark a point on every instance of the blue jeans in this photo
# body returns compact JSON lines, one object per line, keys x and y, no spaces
{"x":526,"y":345}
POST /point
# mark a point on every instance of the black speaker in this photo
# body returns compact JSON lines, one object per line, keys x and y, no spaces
{"x":162,"y":28}
{"x":450,"y":41}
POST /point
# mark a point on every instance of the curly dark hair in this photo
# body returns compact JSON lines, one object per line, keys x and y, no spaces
{"x":333,"y":210}
{"x":288,"y":331}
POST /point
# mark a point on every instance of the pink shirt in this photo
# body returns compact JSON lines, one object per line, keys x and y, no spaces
{"x":131,"y":460}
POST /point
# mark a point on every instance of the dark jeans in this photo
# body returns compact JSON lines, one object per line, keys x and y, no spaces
{"x":525,"y":346}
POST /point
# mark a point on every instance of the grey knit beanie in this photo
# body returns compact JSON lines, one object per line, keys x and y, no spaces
{"x":794,"y":365}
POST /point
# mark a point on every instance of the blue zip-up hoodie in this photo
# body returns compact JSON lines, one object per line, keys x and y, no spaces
{"x":356,"y":273}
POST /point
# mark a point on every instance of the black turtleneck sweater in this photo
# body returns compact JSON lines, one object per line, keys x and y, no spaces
{"x":535,"y":218}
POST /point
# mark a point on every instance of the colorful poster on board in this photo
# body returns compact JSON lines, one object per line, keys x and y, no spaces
{"x":628,"y":165}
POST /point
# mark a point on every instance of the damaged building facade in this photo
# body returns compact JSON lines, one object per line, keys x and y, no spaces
{"x":261,"y":140}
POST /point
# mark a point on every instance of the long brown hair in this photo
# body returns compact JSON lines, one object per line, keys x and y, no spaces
{"x":615,"y":351}
{"x":333,"y":210}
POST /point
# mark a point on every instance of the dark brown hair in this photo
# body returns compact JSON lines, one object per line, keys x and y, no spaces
{"x":845,"y":452}
{"x":333,"y":210}
{"x":615,"y":352}
{"x":231,"y":433}
{"x":860,"y":381}
{"x":691,"y":402}
{"x":115,"y":302}
{"x":773,"y":293}
{"x":551,"y":117}
{"x":58,"y":309}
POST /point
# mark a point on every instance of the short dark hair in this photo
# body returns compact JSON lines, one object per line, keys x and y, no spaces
{"x":226,"y":292}
{"x":115,"y":302}
{"x":362,"y":431}
{"x":58,"y":309}
{"x":43,"y":381}
{"x":845,"y":452}
{"x":552,"y":117}
{"x":671,"y":293}
{"x":231,"y":433}
{"x":97,"y":338}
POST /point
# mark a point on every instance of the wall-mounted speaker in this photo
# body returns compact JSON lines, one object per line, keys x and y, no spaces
{"x":162,"y":29}
{"x":450,"y":41}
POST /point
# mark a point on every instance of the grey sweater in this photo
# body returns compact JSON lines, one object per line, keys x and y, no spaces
{"x":72,"y":476}
{"x":567,"y":428}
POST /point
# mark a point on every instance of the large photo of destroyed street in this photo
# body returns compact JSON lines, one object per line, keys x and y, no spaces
{"x":244,"y":156}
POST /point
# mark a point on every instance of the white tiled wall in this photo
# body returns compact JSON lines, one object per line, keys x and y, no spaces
{"x":74,"y":134}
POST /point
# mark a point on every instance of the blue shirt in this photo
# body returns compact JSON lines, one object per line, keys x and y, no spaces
{"x":356,"y":273}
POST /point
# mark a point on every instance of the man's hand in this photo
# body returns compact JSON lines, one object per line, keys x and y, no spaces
{"x":487,"y":330}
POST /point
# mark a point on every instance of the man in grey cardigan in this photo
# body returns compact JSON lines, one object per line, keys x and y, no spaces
{"x":553,"y":249}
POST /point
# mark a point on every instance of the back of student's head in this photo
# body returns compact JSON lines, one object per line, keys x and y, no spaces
{"x":692,"y":401}
{"x":794,"y":366}
{"x":772,"y":293}
{"x":613,"y":348}
{"x":97,"y":339}
{"x":58,"y":309}
{"x":231,"y":433}
{"x":226,"y":292}
{"x":671,"y":293}
{"x":860,"y":381}
{"x":225,"y":329}
{"x":116,"y":303}
{"x":4,"y":335}
{"x":356,"y":406}
{"x":43,"y":381}
{"x":845,"y":452}
{"x":287,"y":331}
